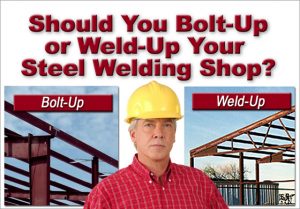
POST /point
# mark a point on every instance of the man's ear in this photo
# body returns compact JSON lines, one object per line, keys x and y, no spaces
{"x":132,"y":134}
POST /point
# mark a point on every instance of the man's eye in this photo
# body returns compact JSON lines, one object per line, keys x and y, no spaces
{"x":148,"y":124}
{"x":168,"y":125}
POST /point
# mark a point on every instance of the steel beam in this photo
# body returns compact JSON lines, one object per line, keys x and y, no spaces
{"x":17,"y":147}
{"x":276,"y":157}
{"x":287,"y":132}
{"x":236,"y":156}
{"x":258,"y":143}
{"x":53,"y":170}
{"x":267,"y":133}
{"x":70,"y":178}
{"x":69,"y":161}
{"x":280,"y":127}
{"x":78,"y":196}
{"x":59,"y":134}
{"x":17,"y":181}
{"x":63,"y":187}
{"x":254,"y":149}
{"x":9,"y":203}
{"x":16,"y":170}
{"x":206,"y":151}
{"x":8,"y":132}
{"x":270,"y":136}
{"x":16,"y":202}
{"x":16,"y":192}
{"x":289,"y":117}
{"x":58,"y":202}
{"x":78,"y":202}
{"x":243,"y":130}
{"x":257,"y":152}
{"x":290,"y":160}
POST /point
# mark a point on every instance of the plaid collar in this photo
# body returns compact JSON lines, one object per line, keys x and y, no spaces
{"x":146,"y":174}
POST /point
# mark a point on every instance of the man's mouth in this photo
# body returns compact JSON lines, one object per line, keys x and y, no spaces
{"x":157,"y":145}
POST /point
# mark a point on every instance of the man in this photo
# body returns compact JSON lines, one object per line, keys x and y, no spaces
{"x":152,"y":181}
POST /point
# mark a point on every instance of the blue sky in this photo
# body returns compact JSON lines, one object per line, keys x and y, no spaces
{"x":202,"y":127}
{"x":98,"y":129}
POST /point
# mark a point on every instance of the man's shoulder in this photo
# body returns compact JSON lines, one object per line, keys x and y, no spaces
{"x":123,"y":172}
{"x":187,"y":170}
{"x":184,"y":168}
{"x":107,"y":188}
{"x":192,"y":175}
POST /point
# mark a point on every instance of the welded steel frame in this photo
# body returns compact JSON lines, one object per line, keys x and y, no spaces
{"x":273,"y":152}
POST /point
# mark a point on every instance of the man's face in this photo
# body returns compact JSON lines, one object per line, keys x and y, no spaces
{"x":154,"y":138}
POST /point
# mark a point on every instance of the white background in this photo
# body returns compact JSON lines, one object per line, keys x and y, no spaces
{"x":280,"y":42}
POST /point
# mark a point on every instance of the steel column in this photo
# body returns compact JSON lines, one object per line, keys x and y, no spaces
{"x":257,"y":183}
{"x":192,"y":162}
{"x":241,"y":162}
{"x":39,"y":169}
{"x":95,"y":171}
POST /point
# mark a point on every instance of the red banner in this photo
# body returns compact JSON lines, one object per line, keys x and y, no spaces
{"x":241,"y":101}
{"x":63,"y":103}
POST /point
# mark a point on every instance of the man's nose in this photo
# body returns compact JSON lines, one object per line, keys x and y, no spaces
{"x":158,"y":131}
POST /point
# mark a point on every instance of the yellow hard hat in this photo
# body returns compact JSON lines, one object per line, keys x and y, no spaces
{"x":153,"y":100}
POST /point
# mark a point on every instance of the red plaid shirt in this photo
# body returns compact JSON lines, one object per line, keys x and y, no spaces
{"x":136,"y":187}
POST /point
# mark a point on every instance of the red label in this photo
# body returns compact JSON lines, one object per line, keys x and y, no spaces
{"x":63,"y":103}
{"x":241,"y":101}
